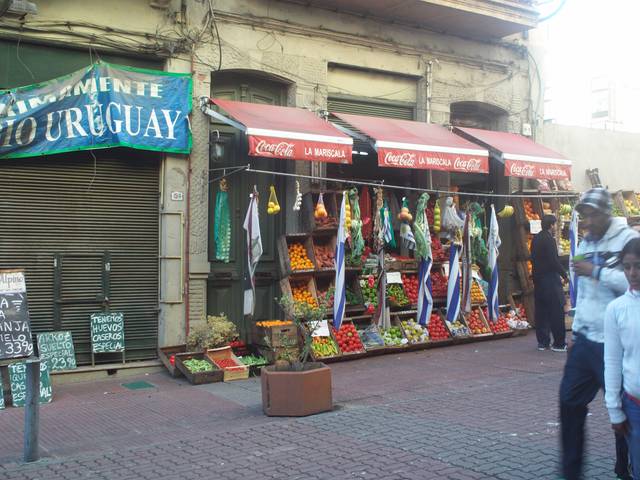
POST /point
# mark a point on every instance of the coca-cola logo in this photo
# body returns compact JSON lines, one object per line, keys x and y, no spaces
{"x":468,"y":165}
{"x":405,"y":159}
{"x":281,"y":149}
{"x":521,"y":170}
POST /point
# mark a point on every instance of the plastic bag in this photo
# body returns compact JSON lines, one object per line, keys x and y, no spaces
{"x":450,"y":218}
{"x":320,"y":210}
{"x":273,"y":206}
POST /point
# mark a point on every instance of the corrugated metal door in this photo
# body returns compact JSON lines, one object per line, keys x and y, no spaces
{"x":99,"y":219}
{"x":400,"y":111}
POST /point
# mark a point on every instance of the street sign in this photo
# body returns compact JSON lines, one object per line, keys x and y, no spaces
{"x":15,"y":327}
{"x":18,"y":381}
{"x":56,"y":348}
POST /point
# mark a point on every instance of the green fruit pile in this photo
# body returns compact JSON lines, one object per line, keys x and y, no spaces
{"x":369,"y":290}
{"x":393,"y":336}
{"x":195,"y":366}
{"x":352,"y":298}
{"x":396,"y":295}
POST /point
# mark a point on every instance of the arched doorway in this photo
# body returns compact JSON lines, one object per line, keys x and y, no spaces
{"x":228,"y":148}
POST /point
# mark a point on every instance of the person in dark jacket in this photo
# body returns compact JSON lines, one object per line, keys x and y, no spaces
{"x":548,"y":273}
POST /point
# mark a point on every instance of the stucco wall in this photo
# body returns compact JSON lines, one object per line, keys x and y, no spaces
{"x":615,"y":154}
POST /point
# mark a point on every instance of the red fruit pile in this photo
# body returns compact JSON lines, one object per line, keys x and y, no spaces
{"x":437,"y":329}
{"x":476,"y":324}
{"x":500,"y":325}
{"x":348,"y":339}
{"x":225,"y":363}
{"x":438,"y":285}
{"x":521,"y":311}
{"x":410,"y":285}
{"x":437,"y":252}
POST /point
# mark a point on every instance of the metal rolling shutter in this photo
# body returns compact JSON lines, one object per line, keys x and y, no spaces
{"x":57,"y":206}
{"x":373,"y":109}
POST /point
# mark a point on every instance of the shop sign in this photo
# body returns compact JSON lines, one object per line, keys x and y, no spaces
{"x":101,"y":106}
{"x":448,"y":162}
{"x":300,"y":148}
{"x":107,"y":332}
{"x":15,"y":327}
{"x":56,"y":349}
{"x":539,"y":170}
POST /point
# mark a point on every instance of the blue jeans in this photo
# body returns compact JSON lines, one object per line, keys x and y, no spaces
{"x":583,"y":378}
{"x":632,"y":411}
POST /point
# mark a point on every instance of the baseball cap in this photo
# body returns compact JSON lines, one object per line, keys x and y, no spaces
{"x":597,"y":198}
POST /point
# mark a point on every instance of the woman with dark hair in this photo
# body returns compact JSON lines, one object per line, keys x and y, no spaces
{"x":548,"y":293}
{"x":622,"y":356}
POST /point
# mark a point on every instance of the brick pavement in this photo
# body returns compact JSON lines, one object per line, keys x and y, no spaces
{"x":479,"y":411}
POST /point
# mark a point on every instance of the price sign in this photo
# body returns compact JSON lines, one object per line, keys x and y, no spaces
{"x":56,"y":348}
{"x":15,"y":327}
{"x":535,"y":226}
{"x":394,"y":277}
{"x":319,"y":329}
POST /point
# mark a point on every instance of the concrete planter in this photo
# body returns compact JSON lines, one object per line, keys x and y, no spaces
{"x":296,"y":394}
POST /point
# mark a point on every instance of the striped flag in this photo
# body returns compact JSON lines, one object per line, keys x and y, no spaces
{"x":423,"y":252}
{"x":254,"y":252}
{"x":466,"y":265}
{"x":453,"y":286}
{"x":493,"y":246}
{"x":339,"y":299}
{"x":573,"y":247}
{"x":387,"y":226}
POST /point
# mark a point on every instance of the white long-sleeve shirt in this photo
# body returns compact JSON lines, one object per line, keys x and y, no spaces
{"x":621,"y":352}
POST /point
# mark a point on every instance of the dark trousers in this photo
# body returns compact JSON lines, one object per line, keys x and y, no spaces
{"x":583,"y":377}
{"x":549,"y":299}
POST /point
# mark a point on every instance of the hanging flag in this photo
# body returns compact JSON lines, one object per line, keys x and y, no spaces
{"x":387,"y":226}
{"x":573,"y":247}
{"x":423,"y":252}
{"x":466,"y":265}
{"x":254,"y":252}
{"x":339,"y":299}
{"x":406,"y":235}
{"x":222,"y":224}
{"x":493,"y":246}
{"x":453,"y":286}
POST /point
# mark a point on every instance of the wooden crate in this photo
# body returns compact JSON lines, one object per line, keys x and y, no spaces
{"x":324,"y":241}
{"x":165,"y":353}
{"x":283,"y":253}
{"x":287,"y":285}
{"x":519,"y":208}
{"x":198,"y":378}
{"x":239,"y":372}
{"x":333,"y":332}
{"x":400,"y":318}
{"x":618,"y":202}
{"x":484,"y":321}
{"x":459,"y":319}
{"x":275,"y":336}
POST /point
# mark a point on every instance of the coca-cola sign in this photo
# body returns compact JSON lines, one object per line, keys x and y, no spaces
{"x":522,"y":170}
{"x":274,"y":149}
{"x":468,"y":165}
{"x":428,"y":160}
{"x":399,"y":159}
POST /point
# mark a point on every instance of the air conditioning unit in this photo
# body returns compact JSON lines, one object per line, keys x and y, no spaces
{"x":18,"y":7}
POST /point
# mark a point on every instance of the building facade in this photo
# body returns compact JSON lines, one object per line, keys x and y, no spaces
{"x":451,"y":63}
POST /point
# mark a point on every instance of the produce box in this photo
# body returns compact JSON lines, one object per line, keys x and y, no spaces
{"x":224,"y":358}
{"x":324,"y":285}
{"x":396,"y":296}
{"x":198,"y":378}
{"x":301,"y":289}
{"x":438,"y":330}
{"x":413,"y":331}
{"x":369,"y":288}
{"x":411,"y":287}
{"x":528,"y":209}
{"x":324,"y":348}
{"x":477,"y":323}
{"x":167,"y":356}
{"x":324,"y":250}
{"x":254,"y":362}
{"x":295,"y":254}
{"x":274,"y":333}
{"x":477,"y":294}
{"x":348,"y":339}
{"x":370,"y":337}
{"x":439,"y":283}
{"x":394,"y":336}
{"x":457,"y":328}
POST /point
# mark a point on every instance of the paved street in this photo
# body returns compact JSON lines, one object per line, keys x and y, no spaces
{"x":478,"y":411}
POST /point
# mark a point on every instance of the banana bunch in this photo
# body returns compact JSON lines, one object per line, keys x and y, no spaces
{"x":506,"y":212}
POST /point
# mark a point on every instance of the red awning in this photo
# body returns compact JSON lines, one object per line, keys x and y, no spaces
{"x":286,"y":132}
{"x":407,"y":144}
{"x":522,"y":157}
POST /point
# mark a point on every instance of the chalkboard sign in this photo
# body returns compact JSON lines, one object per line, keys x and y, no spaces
{"x":107,"y":332}
{"x":15,"y":329}
{"x":1,"y":393}
{"x":56,"y":348}
{"x":18,"y":381}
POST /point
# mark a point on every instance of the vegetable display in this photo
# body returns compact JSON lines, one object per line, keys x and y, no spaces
{"x":348,"y":339}
{"x":477,"y":295}
{"x":225,"y":363}
{"x":302,"y":294}
{"x":369,"y":288}
{"x":415,"y":332}
{"x":438,"y":285}
{"x":529,"y":212}
{"x":396,"y":295}
{"x":393,"y":336}
{"x":476,"y":323}
{"x":324,"y":347}
{"x":437,"y":328}
{"x":411,"y":287}
{"x":195,"y":366}
{"x":325,"y":256}
{"x":253,"y":361}
{"x":458,"y":328}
